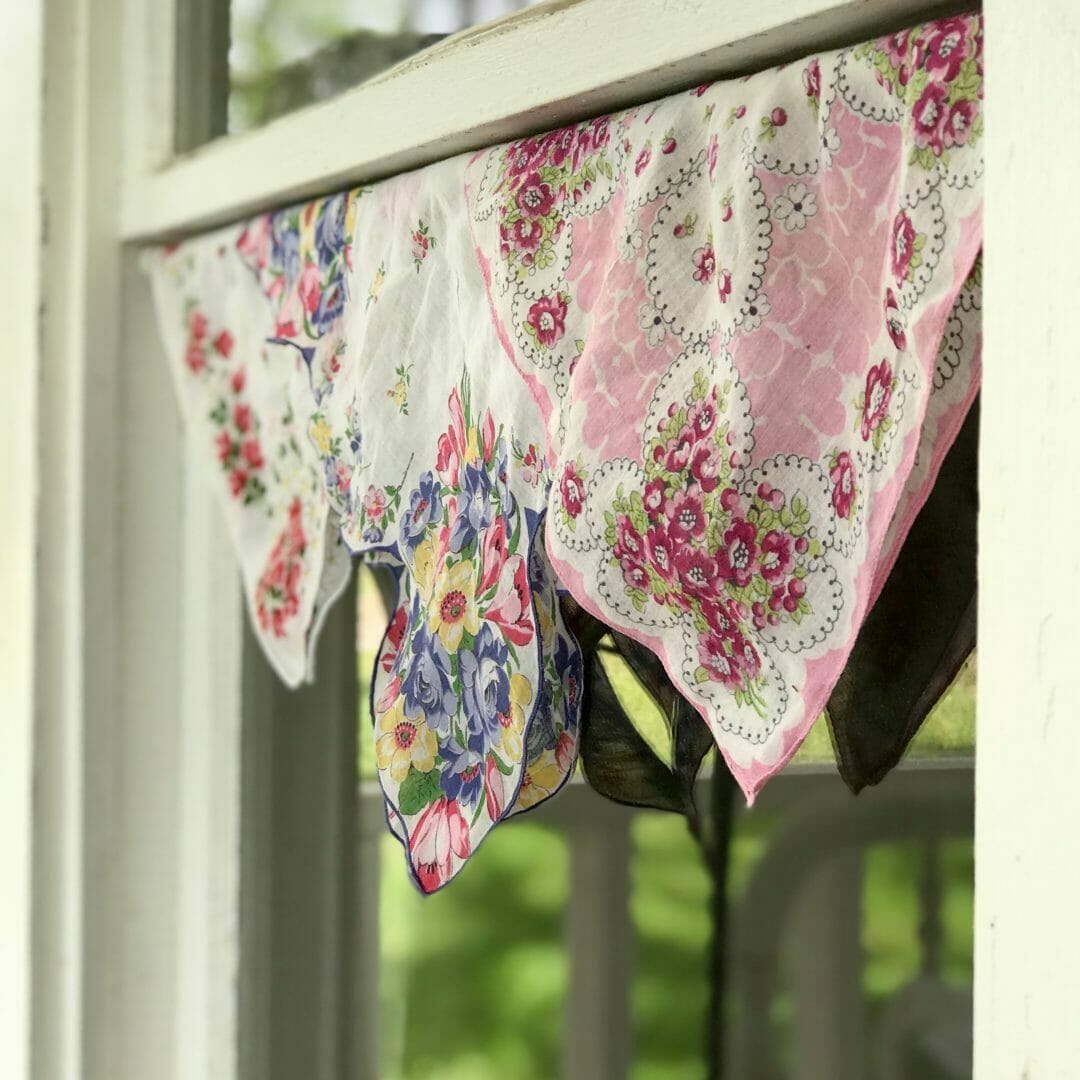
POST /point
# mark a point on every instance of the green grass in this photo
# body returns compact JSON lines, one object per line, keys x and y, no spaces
{"x":474,"y":979}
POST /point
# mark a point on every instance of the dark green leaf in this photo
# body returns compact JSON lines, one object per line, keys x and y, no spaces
{"x":417,"y":790}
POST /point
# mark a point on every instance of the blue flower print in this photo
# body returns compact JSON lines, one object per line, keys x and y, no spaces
{"x":485,"y":683}
{"x":425,"y":507}
{"x":428,"y":687}
{"x":474,"y":508}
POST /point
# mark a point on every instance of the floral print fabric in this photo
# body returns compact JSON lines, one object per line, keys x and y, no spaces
{"x":696,"y":364}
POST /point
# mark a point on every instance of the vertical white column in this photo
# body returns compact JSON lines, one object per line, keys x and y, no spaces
{"x":823,"y":942}
{"x":600,"y":940}
{"x":20,"y":224}
{"x":1027,"y":952}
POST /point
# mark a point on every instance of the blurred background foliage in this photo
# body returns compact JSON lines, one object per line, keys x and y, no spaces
{"x":474,"y":978}
{"x":288,"y":53}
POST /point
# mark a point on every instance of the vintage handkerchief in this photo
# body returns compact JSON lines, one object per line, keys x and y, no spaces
{"x":696,"y":363}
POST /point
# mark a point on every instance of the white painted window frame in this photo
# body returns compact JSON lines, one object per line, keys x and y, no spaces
{"x":123,"y":676}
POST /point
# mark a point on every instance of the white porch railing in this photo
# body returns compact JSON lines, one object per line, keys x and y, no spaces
{"x":807,"y":889}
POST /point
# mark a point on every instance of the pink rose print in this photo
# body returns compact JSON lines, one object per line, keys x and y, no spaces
{"x":634,"y":574}
{"x":749,"y":660}
{"x":721,"y":665}
{"x":811,"y":78}
{"x":776,"y":555}
{"x":893,"y":321}
{"x":440,"y":834}
{"x":308,"y":288}
{"x":598,"y":134}
{"x":532,"y":465}
{"x":561,"y":144}
{"x":686,"y":516}
{"x":705,"y":467}
{"x":842,"y":475}
{"x":701,"y":417}
{"x":903,"y":246}
{"x":572,"y":489}
{"x":658,"y":546}
{"x":895,"y":47}
{"x":375,"y":503}
{"x":450,"y":453}
{"x":422,"y":243}
{"x":254,"y":242}
{"x":928,"y":116}
{"x":547,"y":317}
{"x":721,"y":617}
{"x":242,"y":417}
{"x":223,"y":344}
{"x":642,"y":161}
{"x":945,"y":48}
{"x":252,"y":453}
{"x":277,"y":595}
{"x":493,"y":553}
{"x":493,"y":790}
{"x":344,"y":478}
{"x":523,"y":157}
{"x":655,"y":499}
{"x":676,"y":455}
{"x":956,"y":129}
{"x":195,"y":358}
{"x":511,"y":607}
{"x":565,"y":748}
{"x":705,"y":264}
{"x":628,"y":541}
{"x":723,"y":285}
{"x":395,"y":634}
{"x":737,"y":558}
{"x":876,"y":398}
{"x":669,"y":143}
{"x":527,"y":234}
{"x":535,"y":198}
{"x":769,"y":124}
{"x":696,"y":570}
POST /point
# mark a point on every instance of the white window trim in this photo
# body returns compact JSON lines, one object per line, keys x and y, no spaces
{"x":20,"y":271}
{"x":528,"y":72}
{"x":129,"y":679}
{"x":1027,"y":845}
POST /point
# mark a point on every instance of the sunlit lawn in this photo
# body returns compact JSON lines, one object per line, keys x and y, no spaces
{"x":474,"y":978}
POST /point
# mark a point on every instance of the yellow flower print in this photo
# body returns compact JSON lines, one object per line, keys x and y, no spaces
{"x":541,"y":778}
{"x":376,"y":285}
{"x":350,"y":214}
{"x":402,"y":742}
{"x":472,"y":447}
{"x":308,"y":217}
{"x":321,"y":435}
{"x":547,"y":627}
{"x":513,"y":725}
{"x":453,"y":605}
{"x":399,"y":392}
{"x":424,"y":560}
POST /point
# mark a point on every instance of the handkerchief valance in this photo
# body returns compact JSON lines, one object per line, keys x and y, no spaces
{"x":696,"y":365}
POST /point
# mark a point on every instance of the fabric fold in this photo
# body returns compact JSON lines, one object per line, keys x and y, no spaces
{"x":696,"y":364}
